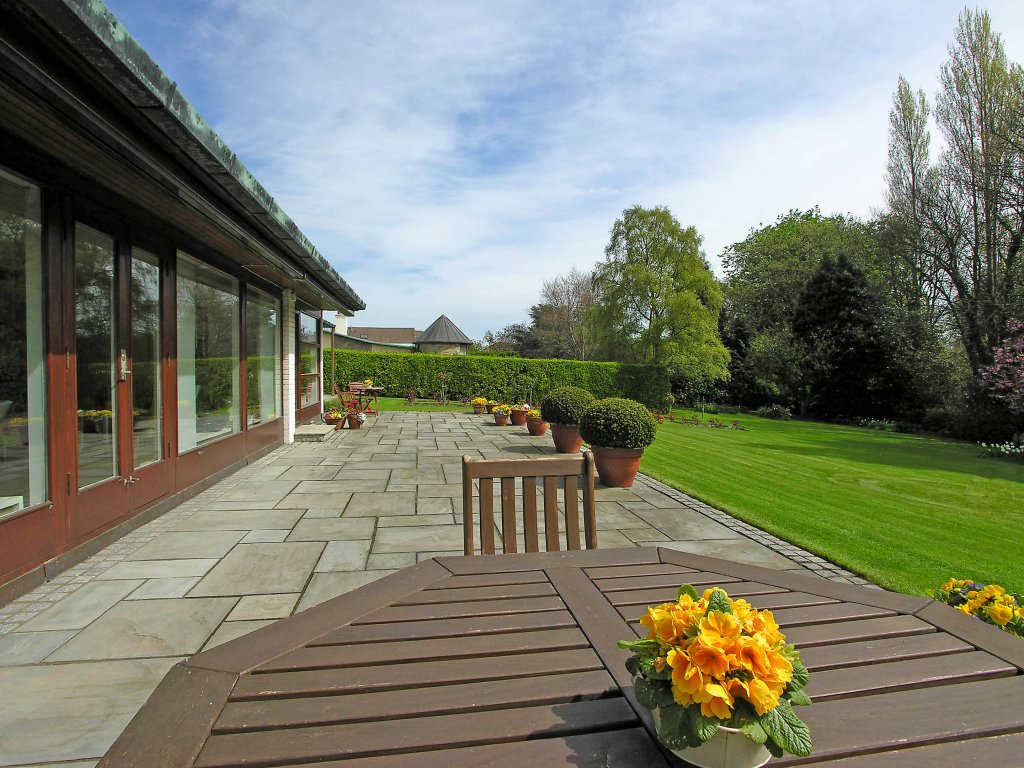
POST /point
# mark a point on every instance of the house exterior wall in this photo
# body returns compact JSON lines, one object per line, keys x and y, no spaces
{"x":443,"y":349}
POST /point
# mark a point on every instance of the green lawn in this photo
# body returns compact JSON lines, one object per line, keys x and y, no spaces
{"x":398,"y":404}
{"x":906,"y":511}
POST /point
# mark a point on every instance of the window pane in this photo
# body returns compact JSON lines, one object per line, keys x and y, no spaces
{"x":263,"y":365}
{"x":309,"y":361}
{"x":23,"y":450}
{"x":208,"y":364}
{"x":145,"y":378}
{"x":94,"y":354}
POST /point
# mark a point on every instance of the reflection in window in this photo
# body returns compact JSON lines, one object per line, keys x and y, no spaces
{"x":208,"y":354}
{"x":263,"y":364}
{"x":23,"y":469}
{"x":94,"y":355}
{"x":145,"y":378}
{"x":309,"y":361}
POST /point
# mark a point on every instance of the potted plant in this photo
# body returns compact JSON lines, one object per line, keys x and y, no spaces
{"x":355,"y":419}
{"x":501,"y":414}
{"x":564,"y":408}
{"x":478,"y":403}
{"x":518,"y":415}
{"x":535,"y":424}
{"x":490,"y":405}
{"x":335,"y":416}
{"x":617,"y":430}
{"x":989,"y":602}
{"x":720,"y":680}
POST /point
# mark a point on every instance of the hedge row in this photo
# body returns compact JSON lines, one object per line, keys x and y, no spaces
{"x":506,"y":379}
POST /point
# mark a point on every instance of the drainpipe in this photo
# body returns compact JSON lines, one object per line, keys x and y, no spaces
{"x":289,"y":394}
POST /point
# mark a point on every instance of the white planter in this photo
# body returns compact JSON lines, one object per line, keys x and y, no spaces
{"x":728,"y":748}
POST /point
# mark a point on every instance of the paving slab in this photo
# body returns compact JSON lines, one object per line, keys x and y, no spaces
{"x":686,"y":525}
{"x":72,"y":711}
{"x":258,"y":569}
{"x":83,"y":606}
{"x":418,"y":538}
{"x":156,"y":589}
{"x":342,"y":485}
{"x":324,"y":586}
{"x":318,"y":472}
{"x":742,"y":550}
{"x":188,"y":545}
{"x":20,"y":648}
{"x":271,"y":491}
{"x":344,"y":556}
{"x":239,"y":520}
{"x":264,"y":537}
{"x":158,"y":569}
{"x":258,"y":607}
{"x":332,"y":529}
{"x":230,"y":630}
{"x":380,"y":504}
{"x":326,"y":500}
{"x":148,"y":628}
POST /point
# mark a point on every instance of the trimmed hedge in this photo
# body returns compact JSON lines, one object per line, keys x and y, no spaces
{"x":566,"y":405}
{"x":618,"y":423}
{"x":505,"y":379}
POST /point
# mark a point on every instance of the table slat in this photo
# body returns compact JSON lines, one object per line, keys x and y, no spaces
{"x":398,"y":613}
{"x":337,"y":656}
{"x":268,"y":748}
{"x":822,"y":657}
{"x":488,"y":579}
{"x":439,"y":672}
{"x":475,"y":594}
{"x":850,"y":631}
{"x":460,"y":697}
{"x":990,"y":752}
{"x":448,"y":627}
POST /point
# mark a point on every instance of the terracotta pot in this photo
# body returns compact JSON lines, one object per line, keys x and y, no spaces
{"x":617,"y":467}
{"x":353,"y":421}
{"x":567,"y":438}
{"x":490,"y":407}
{"x":537,"y":426}
{"x":478,"y":409}
{"x":501,"y":419}
{"x":518,"y":417}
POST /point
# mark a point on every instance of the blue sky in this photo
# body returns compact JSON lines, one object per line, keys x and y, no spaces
{"x":448,"y":157}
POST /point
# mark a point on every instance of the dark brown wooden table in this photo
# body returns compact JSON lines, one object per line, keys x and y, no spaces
{"x":511,"y":660}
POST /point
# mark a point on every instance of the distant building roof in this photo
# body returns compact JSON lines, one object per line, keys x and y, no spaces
{"x":386,"y":335}
{"x":443,"y":331}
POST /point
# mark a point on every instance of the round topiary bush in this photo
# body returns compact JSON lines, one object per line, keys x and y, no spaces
{"x":566,"y":405}
{"x":618,"y":423}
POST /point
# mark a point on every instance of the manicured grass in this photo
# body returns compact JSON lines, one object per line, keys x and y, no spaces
{"x":905,"y":511}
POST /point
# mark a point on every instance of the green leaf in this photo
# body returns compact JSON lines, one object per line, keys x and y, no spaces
{"x":755,"y":733}
{"x":687,"y":589}
{"x":705,"y":727}
{"x":671,"y":730}
{"x":774,"y":748}
{"x":633,"y":665}
{"x":800,"y":676}
{"x":637,"y":646}
{"x":787,"y":730}
{"x":719,"y":602}
{"x":798,"y":698}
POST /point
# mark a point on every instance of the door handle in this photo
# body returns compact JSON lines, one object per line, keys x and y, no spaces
{"x":124,"y":365}
{"x":130,"y":480}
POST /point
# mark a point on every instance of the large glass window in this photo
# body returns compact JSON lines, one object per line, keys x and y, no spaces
{"x":145,"y":378}
{"x":94,"y":355}
{"x":309,"y":361}
{"x":23,"y":450}
{"x":263,"y":362}
{"x":208,"y":354}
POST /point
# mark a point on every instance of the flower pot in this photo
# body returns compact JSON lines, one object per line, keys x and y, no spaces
{"x":617,"y":467}
{"x":478,"y":409}
{"x":518,"y":417}
{"x":728,"y":748}
{"x":567,"y":438}
{"x":353,"y":421}
{"x":537,"y":427}
{"x":490,"y":407}
{"x":501,"y":419}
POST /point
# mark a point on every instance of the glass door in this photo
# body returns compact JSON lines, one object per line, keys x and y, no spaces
{"x":101,"y":494}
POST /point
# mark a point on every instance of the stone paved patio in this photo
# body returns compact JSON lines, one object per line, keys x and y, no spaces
{"x":80,"y":654}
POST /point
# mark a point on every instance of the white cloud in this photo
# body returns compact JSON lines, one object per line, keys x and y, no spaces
{"x":449,"y":157}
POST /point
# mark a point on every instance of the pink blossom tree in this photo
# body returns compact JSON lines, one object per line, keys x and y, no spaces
{"x":1004,"y":379}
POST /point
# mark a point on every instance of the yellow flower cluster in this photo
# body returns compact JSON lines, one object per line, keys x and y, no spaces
{"x":718,"y":657}
{"x":988,"y":601}
{"x":533,"y":413}
{"x":479,"y":401}
{"x":503,"y":410}
{"x":368,"y":382}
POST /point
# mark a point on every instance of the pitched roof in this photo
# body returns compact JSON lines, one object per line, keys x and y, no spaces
{"x":443,"y":331}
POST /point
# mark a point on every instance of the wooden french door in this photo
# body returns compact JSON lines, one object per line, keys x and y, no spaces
{"x":116,"y":364}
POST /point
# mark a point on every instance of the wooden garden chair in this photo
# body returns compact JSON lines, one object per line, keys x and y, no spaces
{"x":570,"y":469}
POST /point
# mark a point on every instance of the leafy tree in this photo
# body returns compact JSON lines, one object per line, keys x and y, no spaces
{"x":1004,"y":378}
{"x":562,"y":318}
{"x":964,"y":215}
{"x":656,"y":300}
{"x":849,"y":364}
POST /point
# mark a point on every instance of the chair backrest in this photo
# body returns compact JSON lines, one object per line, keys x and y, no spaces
{"x":549,"y":471}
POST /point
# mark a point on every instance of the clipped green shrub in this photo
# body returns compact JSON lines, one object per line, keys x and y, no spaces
{"x":504,"y":379}
{"x":616,"y":422}
{"x":566,"y":405}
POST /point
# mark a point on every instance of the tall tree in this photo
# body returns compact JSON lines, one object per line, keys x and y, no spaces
{"x":569,"y":298}
{"x":968,"y":222}
{"x":656,"y":300}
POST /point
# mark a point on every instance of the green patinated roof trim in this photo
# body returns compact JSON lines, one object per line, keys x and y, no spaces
{"x":148,"y":89}
{"x":370,"y":343}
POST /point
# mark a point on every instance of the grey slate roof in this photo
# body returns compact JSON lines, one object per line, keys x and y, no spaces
{"x":443,"y":331}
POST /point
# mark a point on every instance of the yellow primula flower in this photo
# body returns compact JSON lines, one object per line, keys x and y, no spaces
{"x":710,"y":659}
{"x":715,"y":701}
{"x":1000,"y":614}
{"x":718,"y":628}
